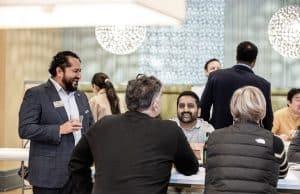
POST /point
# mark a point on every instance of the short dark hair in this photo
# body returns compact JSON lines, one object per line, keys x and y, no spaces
{"x":209,"y":61}
{"x":246,"y":52}
{"x":189,"y":93}
{"x":141,"y":91}
{"x":292,"y":93}
{"x":61,"y":60}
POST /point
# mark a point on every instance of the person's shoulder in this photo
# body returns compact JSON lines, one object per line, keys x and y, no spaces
{"x":219,"y":75}
{"x":80,"y":92}
{"x":176,"y":120}
{"x":219,"y":133}
{"x":37,"y":89}
{"x":93,"y":99}
{"x":112,"y":118}
{"x":106,"y":122}
{"x":229,"y":130}
{"x":262,"y":80}
{"x":166,"y":126}
{"x":169,"y":123}
{"x":221,"y":72}
{"x":98,"y":99}
{"x":281,"y":111}
{"x":223,"y":130}
{"x":205,"y":125}
{"x":102,"y":97}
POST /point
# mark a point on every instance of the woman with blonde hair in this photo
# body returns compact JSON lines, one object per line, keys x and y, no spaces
{"x":244,"y":157}
{"x":105,"y":101}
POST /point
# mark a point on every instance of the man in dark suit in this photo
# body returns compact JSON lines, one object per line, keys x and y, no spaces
{"x":132,"y":152}
{"x":222,"y":83}
{"x":49,"y":118}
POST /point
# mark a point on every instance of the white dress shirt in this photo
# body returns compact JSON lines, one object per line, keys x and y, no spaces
{"x":70,"y":105}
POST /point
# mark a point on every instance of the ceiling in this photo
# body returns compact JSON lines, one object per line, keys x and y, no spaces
{"x":87,"y":13}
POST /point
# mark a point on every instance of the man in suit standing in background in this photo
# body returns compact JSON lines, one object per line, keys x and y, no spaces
{"x":221,"y":85}
{"x":53,"y":116}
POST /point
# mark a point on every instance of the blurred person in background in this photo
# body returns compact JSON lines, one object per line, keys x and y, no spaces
{"x":287,"y":119}
{"x":210,"y":66}
{"x":105,"y":100}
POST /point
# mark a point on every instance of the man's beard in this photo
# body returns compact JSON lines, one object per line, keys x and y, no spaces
{"x":184,"y":119}
{"x":69,"y":86}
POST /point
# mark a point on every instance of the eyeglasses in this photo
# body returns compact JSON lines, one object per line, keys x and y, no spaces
{"x":140,"y":75}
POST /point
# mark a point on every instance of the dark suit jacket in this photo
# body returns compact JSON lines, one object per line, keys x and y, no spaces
{"x":133,"y":153}
{"x":39,"y":121}
{"x":219,"y":89}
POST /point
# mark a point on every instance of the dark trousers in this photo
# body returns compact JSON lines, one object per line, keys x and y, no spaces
{"x":67,"y":189}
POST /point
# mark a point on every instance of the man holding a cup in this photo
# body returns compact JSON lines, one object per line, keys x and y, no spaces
{"x":50,"y":118}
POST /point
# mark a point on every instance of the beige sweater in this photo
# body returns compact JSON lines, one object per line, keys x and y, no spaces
{"x":100,"y":105}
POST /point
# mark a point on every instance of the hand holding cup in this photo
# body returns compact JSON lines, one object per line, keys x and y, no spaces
{"x":74,"y":124}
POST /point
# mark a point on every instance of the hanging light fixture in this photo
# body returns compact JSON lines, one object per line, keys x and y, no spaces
{"x":284,"y":31}
{"x":120,"y":40}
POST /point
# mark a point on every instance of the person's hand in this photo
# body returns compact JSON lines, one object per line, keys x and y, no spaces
{"x":70,"y":126}
{"x":284,"y":137}
{"x":293,"y":133}
{"x":197,"y":149}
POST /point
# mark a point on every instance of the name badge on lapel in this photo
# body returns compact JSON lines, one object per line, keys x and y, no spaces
{"x":58,"y":104}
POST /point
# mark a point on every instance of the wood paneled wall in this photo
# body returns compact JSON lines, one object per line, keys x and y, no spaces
{"x":17,"y":49}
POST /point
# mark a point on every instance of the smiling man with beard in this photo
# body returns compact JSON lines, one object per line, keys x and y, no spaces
{"x":49,"y":118}
{"x":188,"y":113}
{"x":194,"y":128}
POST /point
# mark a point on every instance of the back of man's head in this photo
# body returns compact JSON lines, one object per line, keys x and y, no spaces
{"x":246,"y":52}
{"x":141,"y":91}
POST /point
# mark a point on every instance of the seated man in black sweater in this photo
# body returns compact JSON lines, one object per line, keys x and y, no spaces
{"x":133,"y":152}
